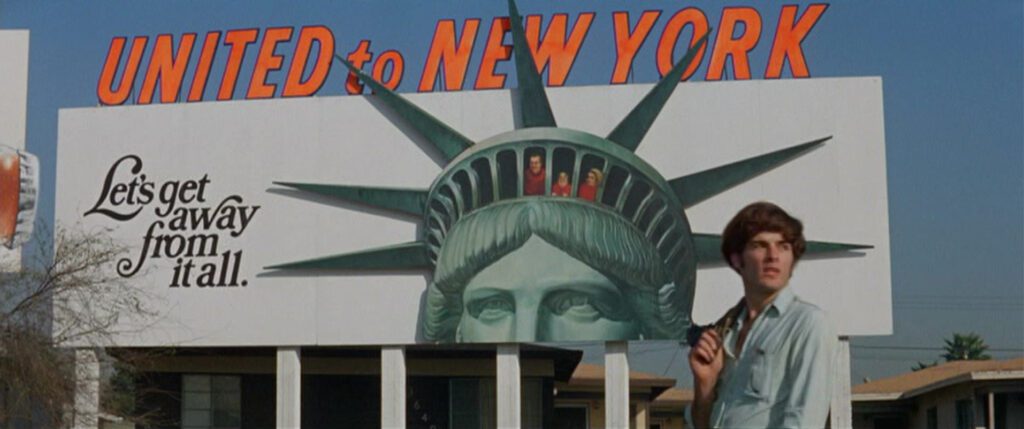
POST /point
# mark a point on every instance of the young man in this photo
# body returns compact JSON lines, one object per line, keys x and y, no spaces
{"x":772,"y":368}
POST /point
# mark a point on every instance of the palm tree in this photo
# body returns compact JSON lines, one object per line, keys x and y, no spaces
{"x":923,"y":365}
{"x":966,"y":347}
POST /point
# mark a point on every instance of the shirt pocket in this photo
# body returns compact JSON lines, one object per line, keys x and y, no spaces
{"x":761,"y":375}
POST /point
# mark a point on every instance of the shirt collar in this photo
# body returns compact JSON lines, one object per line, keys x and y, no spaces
{"x":783,"y":300}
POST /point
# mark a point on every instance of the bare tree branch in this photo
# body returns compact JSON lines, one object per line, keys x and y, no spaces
{"x":72,"y":297}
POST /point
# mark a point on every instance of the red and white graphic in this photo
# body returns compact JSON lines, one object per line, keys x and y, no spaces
{"x":19,"y":175}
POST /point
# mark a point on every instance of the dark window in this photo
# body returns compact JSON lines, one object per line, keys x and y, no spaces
{"x":639,"y":191}
{"x":211,"y":402}
{"x":461,"y":179}
{"x":571,"y":417}
{"x":426,"y":403}
{"x":890,"y":423}
{"x":449,"y":197}
{"x":650,"y":214}
{"x":340,"y":401}
{"x":508,"y":175}
{"x":964,"y":414}
{"x":933,"y":418}
{"x":613,"y":185}
{"x":485,"y":183}
{"x":474,"y":403}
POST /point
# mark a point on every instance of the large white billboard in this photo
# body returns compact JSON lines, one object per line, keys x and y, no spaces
{"x":193,"y":190}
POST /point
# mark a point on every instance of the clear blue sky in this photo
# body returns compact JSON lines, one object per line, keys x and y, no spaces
{"x":952,"y":82}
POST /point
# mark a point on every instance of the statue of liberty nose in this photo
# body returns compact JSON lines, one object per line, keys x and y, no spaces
{"x":518,"y":255}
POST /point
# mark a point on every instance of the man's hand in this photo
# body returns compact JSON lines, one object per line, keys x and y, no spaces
{"x":706,"y":361}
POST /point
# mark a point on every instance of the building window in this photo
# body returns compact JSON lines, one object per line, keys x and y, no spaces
{"x":211,"y":402}
{"x":572,"y":416}
{"x":933,"y":418}
{"x":964,"y":414}
{"x":473,"y":403}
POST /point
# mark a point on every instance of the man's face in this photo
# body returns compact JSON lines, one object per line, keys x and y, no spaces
{"x":535,"y":164}
{"x":766,"y":263}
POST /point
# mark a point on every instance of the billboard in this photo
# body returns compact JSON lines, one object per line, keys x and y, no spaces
{"x":339,"y":220}
{"x":19,"y":170}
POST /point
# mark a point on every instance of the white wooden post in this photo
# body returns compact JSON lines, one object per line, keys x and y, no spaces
{"x":643,"y":414}
{"x":991,"y":424}
{"x":87,"y":389}
{"x":508,"y":381}
{"x":392,"y":387}
{"x":842,"y":413}
{"x":616,"y":384}
{"x":289,"y":388}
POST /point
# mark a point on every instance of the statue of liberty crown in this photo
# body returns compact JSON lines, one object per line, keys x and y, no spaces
{"x":493,"y":172}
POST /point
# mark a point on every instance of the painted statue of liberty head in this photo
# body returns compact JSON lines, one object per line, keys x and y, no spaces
{"x":518,"y":255}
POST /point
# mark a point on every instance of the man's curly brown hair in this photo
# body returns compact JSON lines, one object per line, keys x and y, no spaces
{"x":761,"y":217}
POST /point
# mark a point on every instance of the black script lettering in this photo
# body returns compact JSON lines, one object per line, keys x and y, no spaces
{"x":226,"y":217}
{"x":181,"y":277}
{"x":124,"y":265}
{"x":170,"y":246}
{"x":181,"y":191}
{"x":217,"y":273}
{"x":123,"y":193}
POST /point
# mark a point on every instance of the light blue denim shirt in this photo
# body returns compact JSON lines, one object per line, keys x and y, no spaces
{"x":783,"y":376}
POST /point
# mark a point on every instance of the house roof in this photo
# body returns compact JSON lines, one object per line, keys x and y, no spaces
{"x":587,"y":374}
{"x":673,"y":398}
{"x":914,"y":383}
{"x":590,"y":377}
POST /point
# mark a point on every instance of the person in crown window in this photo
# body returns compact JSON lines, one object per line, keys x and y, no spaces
{"x":533,"y":177}
{"x":562,"y":187}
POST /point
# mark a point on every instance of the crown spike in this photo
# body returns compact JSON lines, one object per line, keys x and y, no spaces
{"x":409,"y":201}
{"x":445,"y":139}
{"x":406,"y":256}
{"x":697,"y":187}
{"x":534,"y":108}
{"x":631,"y":131}
{"x":709,"y":248}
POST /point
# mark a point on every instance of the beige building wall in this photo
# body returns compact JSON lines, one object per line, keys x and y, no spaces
{"x":944,"y":401}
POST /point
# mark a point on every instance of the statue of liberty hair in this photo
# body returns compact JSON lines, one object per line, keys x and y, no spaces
{"x":482,"y":182}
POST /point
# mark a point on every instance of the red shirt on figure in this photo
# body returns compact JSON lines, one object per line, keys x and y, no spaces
{"x":533,"y":180}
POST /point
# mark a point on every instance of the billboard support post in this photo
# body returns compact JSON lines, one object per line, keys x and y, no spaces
{"x":87,"y":389}
{"x":392,"y":387}
{"x":289,"y":387}
{"x":508,"y":381}
{"x":616,"y":384}
{"x":842,"y":414}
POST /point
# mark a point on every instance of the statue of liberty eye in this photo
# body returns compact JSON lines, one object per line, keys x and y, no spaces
{"x":491,"y":307}
{"x":574,"y":303}
{"x":585,"y":306}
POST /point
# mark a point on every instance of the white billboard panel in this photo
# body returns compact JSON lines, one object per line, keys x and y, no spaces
{"x":13,"y":105}
{"x":190,"y":187}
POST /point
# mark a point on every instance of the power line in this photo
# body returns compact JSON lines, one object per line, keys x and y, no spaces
{"x":670,"y":362}
{"x":919,"y":348}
